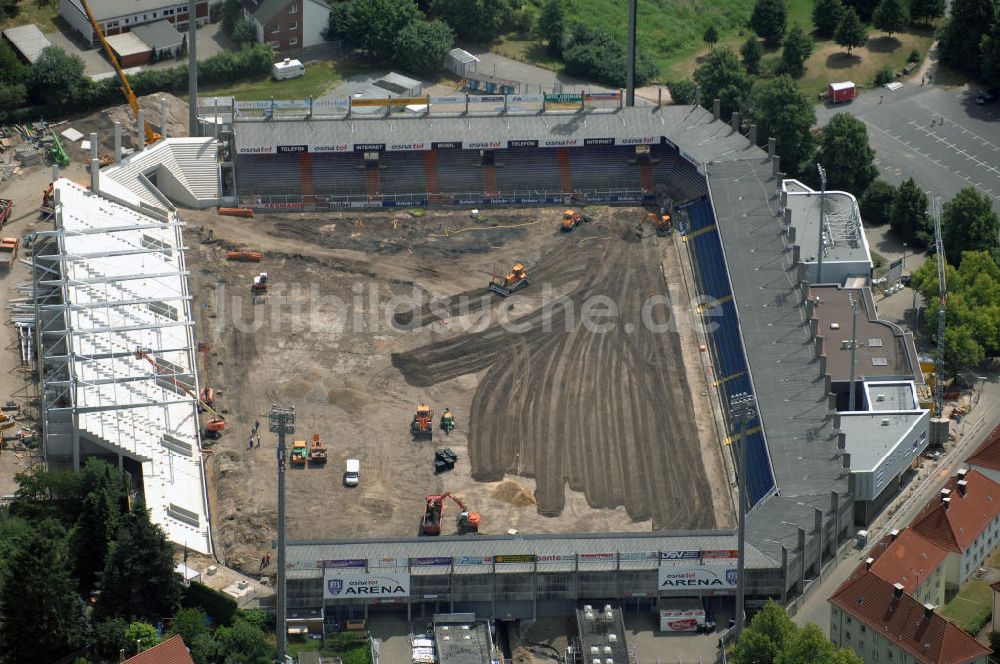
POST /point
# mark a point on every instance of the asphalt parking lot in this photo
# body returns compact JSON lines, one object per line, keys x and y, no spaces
{"x":939,"y":136}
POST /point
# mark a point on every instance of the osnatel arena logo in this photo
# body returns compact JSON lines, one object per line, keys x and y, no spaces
{"x":372,"y":586}
{"x":263,"y":149}
{"x":697,"y":578}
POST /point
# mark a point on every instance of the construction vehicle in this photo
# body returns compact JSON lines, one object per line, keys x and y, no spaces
{"x":571,"y":220}
{"x":447,"y":421}
{"x":6,"y":421}
{"x":317,"y":451}
{"x":244,"y":256}
{"x":57,"y":152}
{"x":259,"y":285}
{"x":217,"y":423}
{"x":515,"y":281}
{"x":466,"y":521}
{"x":422,"y":425}
{"x":208,"y":395}
{"x":214,"y":427}
{"x":47,"y":198}
{"x":6,"y":209}
{"x":661,"y":221}
{"x":150,"y":135}
{"x":299,"y":453}
{"x":8,"y":251}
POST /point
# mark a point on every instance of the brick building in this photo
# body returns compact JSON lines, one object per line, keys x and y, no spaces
{"x":288,"y":25}
{"x":916,"y":563}
{"x":118,"y":16}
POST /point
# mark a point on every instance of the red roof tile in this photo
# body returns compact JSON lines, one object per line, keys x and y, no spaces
{"x":931,"y":640}
{"x":909,"y":560}
{"x":956,"y":528}
{"x":988,"y":454}
{"x":171,"y":651}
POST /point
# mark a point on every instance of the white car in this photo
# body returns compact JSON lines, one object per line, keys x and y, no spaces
{"x":352,"y":472}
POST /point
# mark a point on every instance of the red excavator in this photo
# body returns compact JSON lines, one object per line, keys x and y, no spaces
{"x":466,"y":522}
{"x":422,"y":425}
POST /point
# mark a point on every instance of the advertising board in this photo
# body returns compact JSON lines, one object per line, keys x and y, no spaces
{"x":681,"y":620}
{"x":694,"y":554}
{"x":697,"y":577}
{"x":564,"y":98}
{"x":448,"y":99}
{"x":473,"y":560}
{"x":353,"y":585}
{"x":514,"y":558}
{"x":430,"y":561}
{"x":334,"y":564}
{"x":552,"y":558}
{"x":597,"y":557}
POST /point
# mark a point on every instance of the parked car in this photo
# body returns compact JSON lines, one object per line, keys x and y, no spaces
{"x":933,"y":455}
{"x":987,"y":96}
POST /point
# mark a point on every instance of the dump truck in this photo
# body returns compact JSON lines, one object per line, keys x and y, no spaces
{"x":317,"y":451}
{"x":299,"y":453}
{"x":8,"y":251}
{"x":514,"y":281}
{"x":571,"y":219}
{"x":422,"y":425}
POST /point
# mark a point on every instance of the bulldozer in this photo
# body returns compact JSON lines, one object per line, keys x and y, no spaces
{"x":299,"y":453}
{"x":422,"y":425}
{"x":466,"y":522}
{"x":317,"y":451}
{"x":515,"y":281}
{"x":571,"y":219}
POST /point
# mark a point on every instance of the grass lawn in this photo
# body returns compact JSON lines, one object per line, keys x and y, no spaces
{"x":971,"y":607}
{"x":352,"y":647}
{"x":995,"y":559}
{"x":319,"y":77}
{"x":41,"y":14}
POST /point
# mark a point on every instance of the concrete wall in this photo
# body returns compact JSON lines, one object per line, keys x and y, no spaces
{"x":315,"y":18}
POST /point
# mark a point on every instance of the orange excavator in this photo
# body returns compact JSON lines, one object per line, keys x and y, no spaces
{"x":466,"y":522}
{"x":662,"y":222}
{"x":571,"y":219}
{"x":422,"y":425}
{"x":514,"y":281}
{"x":217,"y":422}
{"x":317,"y":451}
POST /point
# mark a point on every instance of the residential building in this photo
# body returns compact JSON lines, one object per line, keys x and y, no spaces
{"x":118,"y":16}
{"x":288,"y":25}
{"x":964,"y":520}
{"x":171,"y":651}
{"x":906,"y":558}
{"x":986,"y":459}
{"x":884,"y":625}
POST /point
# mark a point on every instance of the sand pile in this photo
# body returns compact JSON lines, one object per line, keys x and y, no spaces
{"x":513,"y":493}
{"x":103,"y":122}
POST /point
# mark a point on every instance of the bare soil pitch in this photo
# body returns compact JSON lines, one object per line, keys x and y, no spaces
{"x":560,"y":428}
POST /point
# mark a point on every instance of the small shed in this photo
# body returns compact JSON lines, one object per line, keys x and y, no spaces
{"x":461,"y":63}
{"x":28,"y":41}
{"x":161,"y":37}
{"x":130,"y":50}
{"x":398,"y":85}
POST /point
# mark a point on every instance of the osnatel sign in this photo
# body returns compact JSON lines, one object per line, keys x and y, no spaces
{"x":352,"y":584}
{"x":697,"y":577}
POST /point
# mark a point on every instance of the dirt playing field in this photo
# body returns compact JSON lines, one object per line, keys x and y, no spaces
{"x":562,"y":426}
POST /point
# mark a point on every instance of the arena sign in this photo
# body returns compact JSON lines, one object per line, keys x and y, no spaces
{"x":355,"y":585}
{"x":697,"y":577}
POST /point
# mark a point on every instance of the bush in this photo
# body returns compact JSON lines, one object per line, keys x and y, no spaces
{"x":682,"y":92}
{"x":876,"y":203}
{"x":914,"y":56}
{"x":421,"y":47}
{"x":220,"y":607}
{"x":597,"y":55}
{"x":885,"y":75}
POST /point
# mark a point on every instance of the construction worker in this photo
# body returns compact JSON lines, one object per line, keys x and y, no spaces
{"x":447,"y":420}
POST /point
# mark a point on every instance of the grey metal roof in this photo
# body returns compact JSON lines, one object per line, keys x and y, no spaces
{"x":890,"y":396}
{"x":106,"y":9}
{"x":790,"y":392}
{"x":160,"y":35}
{"x":307,"y":552}
{"x":871,"y":436}
{"x":128,"y":43}
{"x":692,"y":130}
{"x":28,"y":40}
{"x":840,"y":207}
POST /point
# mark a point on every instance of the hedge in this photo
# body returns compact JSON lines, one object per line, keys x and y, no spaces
{"x":221,"y":608}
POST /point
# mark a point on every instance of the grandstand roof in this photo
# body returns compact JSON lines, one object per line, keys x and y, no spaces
{"x":845,"y":237}
{"x":125,"y":287}
{"x":691,"y":129}
{"x":790,"y":394}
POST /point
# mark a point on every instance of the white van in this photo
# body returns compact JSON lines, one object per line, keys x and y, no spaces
{"x":287,"y":68}
{"x":352,"y":472}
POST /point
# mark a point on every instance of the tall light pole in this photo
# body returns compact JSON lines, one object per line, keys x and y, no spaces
{"x":192,"y":71}
{"x":742,"y":407}
{"x":281,"y":421}
{"x":854,"y":350}
{"x":822,"y":222}
{"x":630,"y":74}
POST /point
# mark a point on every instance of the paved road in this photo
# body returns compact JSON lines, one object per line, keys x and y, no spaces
{"x":939,"y":136}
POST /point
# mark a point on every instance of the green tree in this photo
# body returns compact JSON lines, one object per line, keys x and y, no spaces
{"x":751,"y":53}
{"x":763,"y":640}
{"x":891,"y":16}
{"x":850,"y":33}
{"x":107,"y":639}
{"x":42,"y":494}
{"x":139,"y":579}
{"x":711,"y":37}
{"x":8,"y":9}
{"x":780,"y":109}
{"x":961,"y":350}
{"x":826,"y":17}
{"x":990,"y":65}
{"x":722,"y":76}
{"x":478,"y":20}
{"x":995,"y":642}
{"x":102,"y":506}
{"x":57,"y":80}
{"x":968,"y":223}
{"x":338,"y":24}
{"x":876,"y":203}
{"x":963,"y":34}
{"x":41,"y":616}
{"x":190,"y":623}
{"x":422,"y":46}
{"x":864,"y":8}
{"x":244,"y":32}
{"x":845,"y":154}
{"x":375,"y":24}
{"x":229,"y":13}
{"x":597,"y":55}
{"x":12,"y":70}
{"x":807,"y":645}
{"x":798,"y":48}
{"x":243,"y":643}
{"x":204,"y":649}
{"x":143,"y":633}
{"x":551,"y":26}
{"x":682,"y":92}
{"x":925,"y":11}
{"x":769,"y":20}
{"x":908,"y":216}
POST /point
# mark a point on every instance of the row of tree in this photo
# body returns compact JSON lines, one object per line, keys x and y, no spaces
{"x":83,"y":570}
{"x":772,"y":638}
{"x":970,"y":40}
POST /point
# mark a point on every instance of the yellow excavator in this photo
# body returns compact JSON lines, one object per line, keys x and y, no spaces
{"x":151,"y":135}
